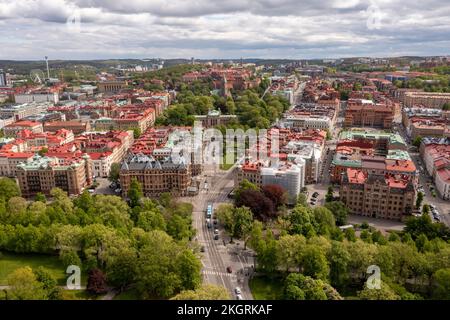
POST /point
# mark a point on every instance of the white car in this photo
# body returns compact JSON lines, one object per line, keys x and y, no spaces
{"x":237,"y":290}
{"x":239,"y":297}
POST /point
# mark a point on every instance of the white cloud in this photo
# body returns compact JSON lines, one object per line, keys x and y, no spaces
{"x":222,"y":29}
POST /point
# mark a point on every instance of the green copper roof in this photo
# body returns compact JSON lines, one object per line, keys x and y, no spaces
{"x":394,"y":138}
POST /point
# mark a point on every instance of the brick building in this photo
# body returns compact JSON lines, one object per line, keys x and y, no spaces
{"x":365,"y":113}
{"x":384,"y":196}
{"x":155,"y":176}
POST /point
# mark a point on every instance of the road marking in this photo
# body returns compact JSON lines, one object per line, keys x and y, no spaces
{"x":217,"y":273}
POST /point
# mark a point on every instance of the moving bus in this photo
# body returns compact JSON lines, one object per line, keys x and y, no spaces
{"x":209,"y":211}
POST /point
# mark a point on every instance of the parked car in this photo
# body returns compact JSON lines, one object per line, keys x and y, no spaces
{"x":239,"y":297}
{"x":216,"y":231}
{"x":229,"y":270}
{"x":237,"y":290}
{"x":202,"y":249}
{"x":216,"y":237}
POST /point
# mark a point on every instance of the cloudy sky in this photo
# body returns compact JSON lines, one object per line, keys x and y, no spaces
{"x":88,"y":29}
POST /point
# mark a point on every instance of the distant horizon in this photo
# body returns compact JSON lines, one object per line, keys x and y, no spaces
{"x":232,"y":59}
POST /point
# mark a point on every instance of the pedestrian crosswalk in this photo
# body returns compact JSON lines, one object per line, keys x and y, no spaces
{"x":216,"y":273}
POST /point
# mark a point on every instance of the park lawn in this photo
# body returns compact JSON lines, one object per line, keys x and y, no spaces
{"x":9,"y":262}
{"x":130,"y":294}
{"x":267,"y":288}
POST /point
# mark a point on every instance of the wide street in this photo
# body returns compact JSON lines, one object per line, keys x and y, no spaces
{"x":220,"y":254}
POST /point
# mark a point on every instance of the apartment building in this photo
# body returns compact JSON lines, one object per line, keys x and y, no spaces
{"x":20,"y":111}
{"x":386,"y":196}
{"x":436,"y":158}
{"x":155,"y":176}
{"x":366,"y":113}
{"x":105,"y":148}
{"x":290,"y":175}
{"x":13,"y":129}
{"x":42,"y":174}
{"x":10,"y":159}
{"x":371,"y":152}
{"x":77,"y":127}
{"x":433,"y":100}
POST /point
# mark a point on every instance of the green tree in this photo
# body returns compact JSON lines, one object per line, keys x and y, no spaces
{"x":43,"y":151}
{"x":135,"y":193}
{"x":329,"y":136}
{"x":189,"y":267}
{"x":350,"y":234}
{"x":419,"y":200}
{"x":69,"y":257}
{"x":339,"y":260}
{"x":165,"y":267}
{"x":357,"y":86}
{"x":301,"y":221}
{"x":8,"y":188}
{"x":236,"y":221}
{"x":339,"y":210}
{"x":25,"y":286}
{"x":243,"y":186}
{"x":329,"y":196}
{"x":384,"y":293}
{"x":137,"y":133}
{"x":40,"y":197}
{"x":300,"y":287}
{"x":121,"y":268}
{"x":417,"y":141}
{"x":441,"y":284}
{"x":180,"y":227}
{"x":151,"y":220}
{"x":205,"y":292}
{"x":48,"y":282}
{"x":267,"y":253}
{"x":302,"y":200}
{"x":114,"y":172}
{"x":314,"y":263}
{"x":289,"y":249}
{"x":324,"y":220}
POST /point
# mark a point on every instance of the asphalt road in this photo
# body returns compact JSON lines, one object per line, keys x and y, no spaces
{"x":220,"y":254}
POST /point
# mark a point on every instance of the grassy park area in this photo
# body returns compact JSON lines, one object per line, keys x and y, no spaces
{"x":266,"y":288}
{"x":9,"y":262}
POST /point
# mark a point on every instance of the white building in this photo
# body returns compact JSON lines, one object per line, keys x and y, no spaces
{"x":37,"y":97}
{"x":310,"y":153}
{"x":23,"y":110}
{"x":289,"y":176}
{"x":307,"y":122}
